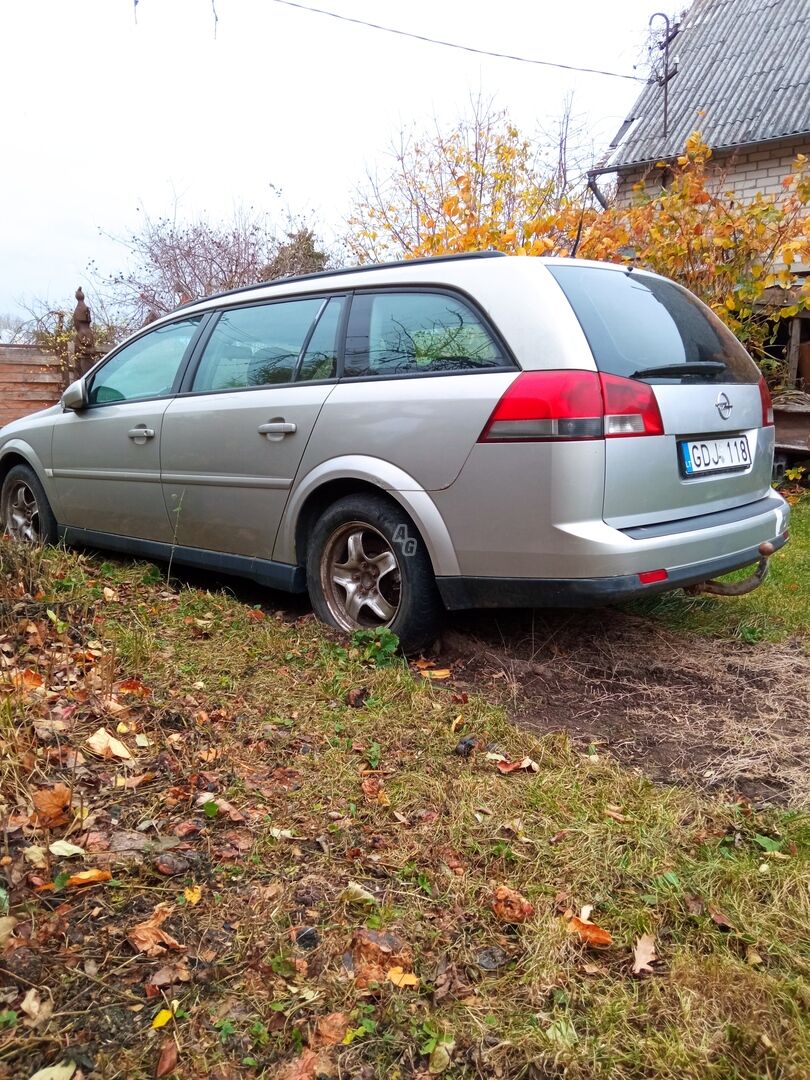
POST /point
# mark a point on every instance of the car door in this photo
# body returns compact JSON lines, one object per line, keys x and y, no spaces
{"x":233,"y":440}
{"x":106,"y":456}
{"x":422,"y":371}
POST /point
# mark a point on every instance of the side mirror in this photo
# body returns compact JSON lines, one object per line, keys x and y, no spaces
{"x":75,"y":397}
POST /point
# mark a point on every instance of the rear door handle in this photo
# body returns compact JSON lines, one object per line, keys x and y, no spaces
{"x":141,"y":433}
{"x":277,"y":427}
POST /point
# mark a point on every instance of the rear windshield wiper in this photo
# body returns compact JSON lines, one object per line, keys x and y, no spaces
{"x":696,"y":367}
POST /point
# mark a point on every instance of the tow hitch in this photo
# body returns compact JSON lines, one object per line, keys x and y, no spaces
{"x":737,"y":588}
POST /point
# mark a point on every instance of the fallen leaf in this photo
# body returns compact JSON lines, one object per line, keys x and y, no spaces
{"x":169,"y":974}
{"x":752,"y":957}
{"x":134,"y":687}
{"x":612,"y":812}
{"x":7,"y":924}
{"x":37,"y":1011}
{"x":52,"y":805}
{"x":695,"y":905}
{"x":558,"y":836}
{"x":162,"y":1018}
{"x":36,"y":856}
{"x":27,"y":679}
{"x":526,"y":763}
{"x":105,"y":745}
{"x":644,"y":954}
{"x":88,"y":877}
{"x":399,"y":977}
{"x":720,"y":918}
{"x":437,"y":674}
{"x":356,"y":894}
{"x":63,"y":1071}
{"x":142,"y":740}
{"x":134,"y":781}
{"x":109,"y":594}
{"x":509,"y":906}
{"x":64,"y":849}
{"x":281,"y":834}
{"x":357,"y":697}
{"x":167,"y":1061}
{"x":147,"y":937}
{"x":222,"y":805}
{"x":589,"y":932}
{"x":373,"y":791}
{"x":193,"y":894}
{"x":441,"y":1057}
{"x":307,"y":1066}
{"x":329,"y":1030}
{"x":374,"y":953}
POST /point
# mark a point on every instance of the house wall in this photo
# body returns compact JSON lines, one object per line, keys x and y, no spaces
{"x":30,"y":379}
{"x":743,"y":172}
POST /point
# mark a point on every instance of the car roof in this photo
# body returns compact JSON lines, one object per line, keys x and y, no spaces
{"x":461,"y":270}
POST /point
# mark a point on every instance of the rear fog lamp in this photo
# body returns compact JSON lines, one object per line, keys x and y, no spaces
{"x":650,"y":576}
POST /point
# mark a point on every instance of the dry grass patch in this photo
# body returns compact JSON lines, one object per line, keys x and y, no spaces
{"x":331,"y":872}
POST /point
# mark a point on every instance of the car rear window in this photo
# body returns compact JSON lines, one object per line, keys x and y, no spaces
{"x":416,"y":333}
{"x":635,"y":323}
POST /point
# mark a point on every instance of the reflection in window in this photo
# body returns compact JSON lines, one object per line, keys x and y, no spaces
{"x":256,"y":346}
{"x":147,"y":367}
{"x":320,"y":359}
{"x":412,"y":333}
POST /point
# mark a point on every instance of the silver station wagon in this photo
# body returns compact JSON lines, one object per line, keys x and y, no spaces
{"x":470,"y":431}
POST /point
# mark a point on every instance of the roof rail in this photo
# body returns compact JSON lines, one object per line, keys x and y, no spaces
{"x":346,"y":270}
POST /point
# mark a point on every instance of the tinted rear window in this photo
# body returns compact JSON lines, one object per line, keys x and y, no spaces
{"x":634,"y":322}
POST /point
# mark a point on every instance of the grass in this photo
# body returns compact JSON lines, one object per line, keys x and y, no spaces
{"x":252,"y":708}
{"x":778,"y":609}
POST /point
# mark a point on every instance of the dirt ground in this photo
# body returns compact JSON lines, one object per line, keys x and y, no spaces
{"x":718,"y":714}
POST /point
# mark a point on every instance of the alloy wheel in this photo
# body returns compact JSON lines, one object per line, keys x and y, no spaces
{"x":22,"y":514}
{"x":360,"y":577}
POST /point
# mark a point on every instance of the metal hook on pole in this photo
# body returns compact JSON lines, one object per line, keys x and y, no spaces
{"x":670,"y":33}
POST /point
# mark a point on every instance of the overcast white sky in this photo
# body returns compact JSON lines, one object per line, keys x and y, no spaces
{"x":102,"y":115}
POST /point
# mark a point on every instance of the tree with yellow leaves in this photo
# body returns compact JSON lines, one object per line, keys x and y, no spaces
{"x":481,"y":187}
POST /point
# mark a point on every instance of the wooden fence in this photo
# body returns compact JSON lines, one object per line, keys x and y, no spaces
{"x":30,"y":379}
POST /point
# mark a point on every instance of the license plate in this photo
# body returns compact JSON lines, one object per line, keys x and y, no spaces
{"x":700,"y":456}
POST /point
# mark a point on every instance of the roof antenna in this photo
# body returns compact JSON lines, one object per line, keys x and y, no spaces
{"x":670,"y":33}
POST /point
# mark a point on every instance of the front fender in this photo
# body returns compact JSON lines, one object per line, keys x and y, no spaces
{"x":387,"y":477}
{"x":19,"y":448}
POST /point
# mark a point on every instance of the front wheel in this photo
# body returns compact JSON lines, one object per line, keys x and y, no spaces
{"x":367,"y":567}
{"x":25,"y":513}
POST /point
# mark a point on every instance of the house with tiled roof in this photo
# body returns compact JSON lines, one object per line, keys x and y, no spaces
{"x":738,"y":71}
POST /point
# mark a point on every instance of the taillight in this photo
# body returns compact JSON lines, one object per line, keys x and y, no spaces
{"x":630,"y":408}
{"x":564,"y":405}
{"x":767,"y":404}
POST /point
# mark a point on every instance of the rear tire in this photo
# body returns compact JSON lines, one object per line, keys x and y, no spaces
{"x":368,"y":567}
{"x":25,"y":513}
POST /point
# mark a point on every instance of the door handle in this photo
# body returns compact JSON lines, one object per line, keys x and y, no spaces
{"x":277,"y":427}
{"x":141,"y":433}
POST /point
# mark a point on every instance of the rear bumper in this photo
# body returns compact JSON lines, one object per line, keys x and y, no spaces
{"x":490,"y":592}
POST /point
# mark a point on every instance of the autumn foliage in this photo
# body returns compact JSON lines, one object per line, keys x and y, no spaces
{"x":485,"y":190}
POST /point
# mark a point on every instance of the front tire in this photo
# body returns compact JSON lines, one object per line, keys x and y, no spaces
{"x":25,"y":513}
{"x":368,"y":567}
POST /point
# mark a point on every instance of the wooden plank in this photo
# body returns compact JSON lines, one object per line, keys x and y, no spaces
{"x":9,"y":378}
{"x":793,"y":351}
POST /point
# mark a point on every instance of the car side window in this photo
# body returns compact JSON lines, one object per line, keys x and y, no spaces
{"x":147,"y":367}
{"x":405,"y":333}
{"x":320,"y":358}
{"x":256,"y":346}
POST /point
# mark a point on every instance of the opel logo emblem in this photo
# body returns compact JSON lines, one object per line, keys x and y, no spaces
{"x":723,"y":405}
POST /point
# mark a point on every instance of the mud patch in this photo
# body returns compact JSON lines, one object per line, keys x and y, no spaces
{"x":712,"y":713}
